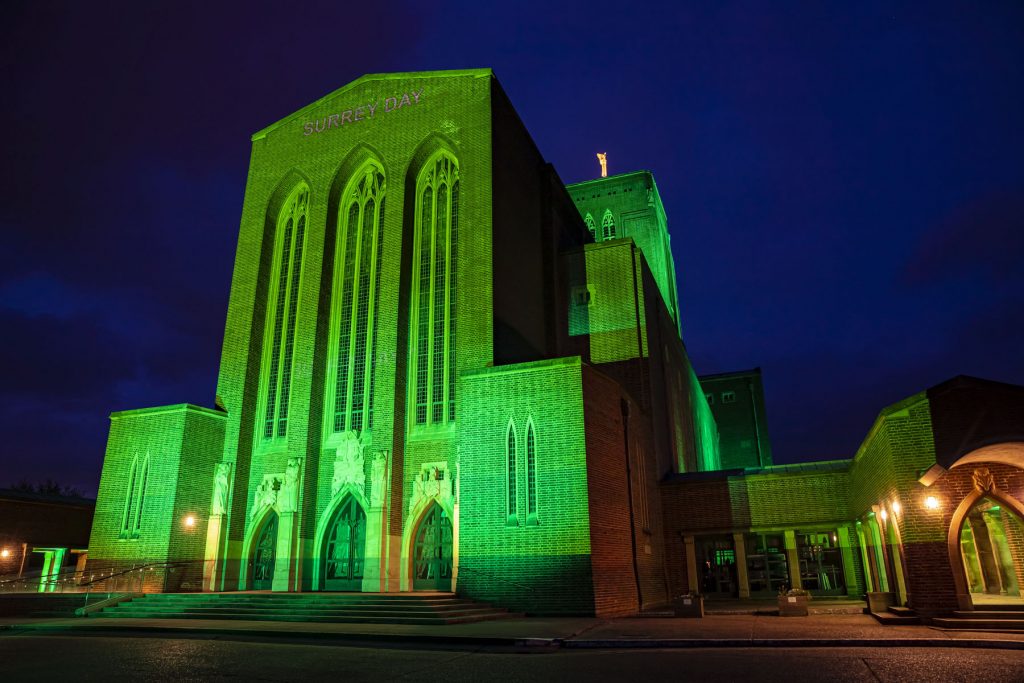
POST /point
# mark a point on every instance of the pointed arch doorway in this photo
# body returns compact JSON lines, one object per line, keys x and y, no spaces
{"x":432,"y":551}
{"x":345,"y":547}
{"x":991,"y":536}
{"x":264,"y":555}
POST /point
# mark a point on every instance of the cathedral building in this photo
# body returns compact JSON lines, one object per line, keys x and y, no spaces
{"x":445,"y":370}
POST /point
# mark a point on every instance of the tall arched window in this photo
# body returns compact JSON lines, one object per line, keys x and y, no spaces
{"x":510,"y":462}
{"x":143,"y":480}
{"x":129,"y":498}
{"x":432,"y":367}
{"x":608,"y":225}
{"x":279,"y":338}
{"x":531,"y":472}
{"x":356,"y":293}
{"x":591,"y":226}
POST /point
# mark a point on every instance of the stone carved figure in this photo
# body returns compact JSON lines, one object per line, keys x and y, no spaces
{"x":983,"y":480}
{"x":288,"y":501}
{"x":221,"y":484}
{"x":266,"y":493}
{"x":434,"y":481}
{"x":348,"y":463}
{"x":377,"y":479}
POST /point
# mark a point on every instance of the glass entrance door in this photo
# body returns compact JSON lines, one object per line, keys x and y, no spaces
{"x":432,"y":553}
{"x":344,"y":549}
{"x":717,"y":559}
{"x":262,"y":567}
{"x":990,"y":542}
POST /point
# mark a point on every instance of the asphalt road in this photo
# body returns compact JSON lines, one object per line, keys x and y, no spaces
{"x":88,"y":658}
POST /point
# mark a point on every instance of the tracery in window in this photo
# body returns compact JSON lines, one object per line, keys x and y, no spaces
{"x":279,"y":339}
{"x":608,"y":225}
{"x":432,"y":366}
{"x":355,"y":298}
{"x":591,"y":226}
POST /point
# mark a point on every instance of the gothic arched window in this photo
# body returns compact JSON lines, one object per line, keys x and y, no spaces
{"x":432,"y":366}
{"x":356,"y":293}
{"x":531,"y":472}
{"x":607,"y":225}
{"x":591,"y":226}
{"x":510,"y":461}
{"x":283,"y":301}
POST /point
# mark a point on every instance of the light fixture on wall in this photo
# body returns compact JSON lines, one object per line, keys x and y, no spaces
{"x":931,"y":502}
{"x":5,"y":553}
{"x":883,"y":514}
{"x":896,"y":507}
{"x":189,"y":521}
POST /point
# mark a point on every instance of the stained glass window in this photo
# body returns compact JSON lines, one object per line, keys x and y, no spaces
{"x":531,"y":471}
{"x":510,"y":457}
{"x":591,"y":226}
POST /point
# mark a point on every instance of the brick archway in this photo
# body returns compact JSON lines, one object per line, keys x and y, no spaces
{"x":984,"y":487}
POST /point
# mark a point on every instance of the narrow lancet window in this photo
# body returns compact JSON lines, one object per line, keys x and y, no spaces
{"x":129,"y":498}
{"x":531,"y":472}
{"x":282,"y":311}
{"x":142,"y":498}
{"x":356,"y":294}
{"x":432,"y":371}
{"x":592,"y":227}
{"x":510,"y":458}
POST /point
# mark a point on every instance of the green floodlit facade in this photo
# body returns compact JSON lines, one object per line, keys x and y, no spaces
{"x":434,"y":375}
{"x":443,"y":369}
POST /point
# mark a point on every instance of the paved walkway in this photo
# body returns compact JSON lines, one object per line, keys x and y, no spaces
{"x":733,"y":630}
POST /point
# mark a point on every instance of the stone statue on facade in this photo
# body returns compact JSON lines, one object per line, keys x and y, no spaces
{"x":221,"y":485}
{"x":348,"y":463}
{"x":266,"y":493}
{"x":378,"y":484}
{"x":288,"y":501}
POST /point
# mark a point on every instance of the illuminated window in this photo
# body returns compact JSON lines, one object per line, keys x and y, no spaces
{"x":279,"y":337}
{"x":728,"y":397}
{"x":356,"y":294}
{"x":591,"y":226}
{"x":608,"y":226}
{"x":510,"y":460}
{"x":531,"y":472}
{"x":129,"y":498}
{"x":432,"y":366}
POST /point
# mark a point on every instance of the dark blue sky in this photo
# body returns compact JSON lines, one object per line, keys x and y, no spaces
{"x":844,"y":184}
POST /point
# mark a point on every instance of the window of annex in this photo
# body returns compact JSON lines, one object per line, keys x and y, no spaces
{"x":354,"y":300}
{"x":282,"y":305}
{"x":607,"y":225}
{"x":434,"y":292}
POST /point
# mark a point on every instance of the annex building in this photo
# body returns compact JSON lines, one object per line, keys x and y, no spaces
{"x":443,"y":369}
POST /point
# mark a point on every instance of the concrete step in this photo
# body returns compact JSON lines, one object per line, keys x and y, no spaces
{"x":892,"y":619}
{"x":192,"y":611}
{"x":144,"y":604}
{"x":989,"y":614}
{"x":398,"y":619}
{"x":1013,"y":625}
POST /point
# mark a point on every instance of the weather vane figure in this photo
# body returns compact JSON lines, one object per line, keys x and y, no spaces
{"x":602,"y":157}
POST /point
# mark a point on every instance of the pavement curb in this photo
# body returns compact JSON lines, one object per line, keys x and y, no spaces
{"x":522,"y":642}
{"x":792,"y":642}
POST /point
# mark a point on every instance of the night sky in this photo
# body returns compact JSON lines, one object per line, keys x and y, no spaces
{"x":844,"y":184}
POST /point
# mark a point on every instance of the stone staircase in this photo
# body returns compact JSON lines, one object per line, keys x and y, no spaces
{"x":353,"y":608}
{"x":988,"y":618}
{"x":897,"y":616}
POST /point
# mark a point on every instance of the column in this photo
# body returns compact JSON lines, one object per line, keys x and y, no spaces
{"x":692,"y":580}
{"x":740,"y":547}
{"x":792,"y":558}
{"x":849,"y":572}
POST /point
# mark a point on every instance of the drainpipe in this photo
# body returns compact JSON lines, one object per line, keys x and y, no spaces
{"x":629,"y":492}
{"x":757,"y":428}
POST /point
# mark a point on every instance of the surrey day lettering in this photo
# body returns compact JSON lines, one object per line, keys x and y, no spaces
{"x":363,"y":112}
